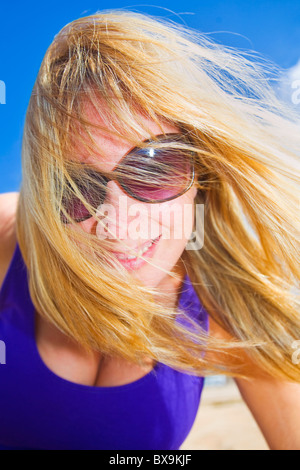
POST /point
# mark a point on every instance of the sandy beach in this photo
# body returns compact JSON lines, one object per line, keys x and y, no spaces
{"x":224,"y":422}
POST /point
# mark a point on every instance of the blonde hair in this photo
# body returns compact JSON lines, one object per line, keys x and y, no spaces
{"x":246,"y":143}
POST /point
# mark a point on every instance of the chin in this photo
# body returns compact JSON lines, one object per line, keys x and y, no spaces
{"x":152,"y":276}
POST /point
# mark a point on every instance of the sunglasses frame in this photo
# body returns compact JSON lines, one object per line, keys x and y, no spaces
{"x":118,"y":179}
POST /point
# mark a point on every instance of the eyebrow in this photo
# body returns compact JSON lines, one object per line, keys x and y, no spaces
{"x":92,"y":167}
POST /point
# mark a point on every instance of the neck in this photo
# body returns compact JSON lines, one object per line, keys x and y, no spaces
{"x":170,"y":286}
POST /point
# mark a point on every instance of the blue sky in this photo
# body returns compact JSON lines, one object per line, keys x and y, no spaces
{"x":270,"y":27}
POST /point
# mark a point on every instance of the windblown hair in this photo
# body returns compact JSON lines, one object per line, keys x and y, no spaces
{"x":246,"y":145}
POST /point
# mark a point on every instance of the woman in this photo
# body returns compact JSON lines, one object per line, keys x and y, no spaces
{"x":116,"y":319}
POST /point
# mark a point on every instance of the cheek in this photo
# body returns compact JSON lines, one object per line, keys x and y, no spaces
{"x":189,"y":217}
{"x":177,"y":218}
{"x":87,"y":225}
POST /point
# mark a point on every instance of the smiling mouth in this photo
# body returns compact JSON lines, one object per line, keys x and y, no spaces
{"x":138,"y":252}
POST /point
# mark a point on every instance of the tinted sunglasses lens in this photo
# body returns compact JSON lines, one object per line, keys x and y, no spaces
{"x":91,"y":192}
{"x":157,"y":174}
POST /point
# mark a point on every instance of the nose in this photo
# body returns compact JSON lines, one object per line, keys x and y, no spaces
{"x":122,"y":216}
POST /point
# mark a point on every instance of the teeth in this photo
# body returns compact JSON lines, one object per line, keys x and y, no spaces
{"x":140,"y":253}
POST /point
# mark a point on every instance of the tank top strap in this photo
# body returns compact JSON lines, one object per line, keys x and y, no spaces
{"x":190,"y":303}
{"x":14,"y":292}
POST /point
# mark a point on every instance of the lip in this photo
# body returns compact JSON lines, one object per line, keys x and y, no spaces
{"x":138,"y":262}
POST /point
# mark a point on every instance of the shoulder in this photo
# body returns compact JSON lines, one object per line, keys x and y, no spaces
{"x":8,"y":208}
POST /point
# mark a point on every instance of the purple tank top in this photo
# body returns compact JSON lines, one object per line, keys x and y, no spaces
{"x":40,"y":410}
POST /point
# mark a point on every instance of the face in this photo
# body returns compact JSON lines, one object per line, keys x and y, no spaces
{"x":159,"y":232}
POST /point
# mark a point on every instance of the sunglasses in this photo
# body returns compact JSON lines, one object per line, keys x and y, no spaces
{"x":148,"y":174}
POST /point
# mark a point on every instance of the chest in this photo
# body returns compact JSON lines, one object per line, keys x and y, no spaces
{"x":70,"y":362}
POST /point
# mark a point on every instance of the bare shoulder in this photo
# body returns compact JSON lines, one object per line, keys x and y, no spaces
{"x":8,"y":207}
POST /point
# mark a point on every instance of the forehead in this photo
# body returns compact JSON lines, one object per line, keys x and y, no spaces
{"x":109,"y":147}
